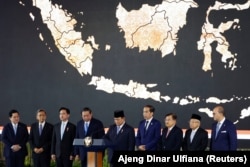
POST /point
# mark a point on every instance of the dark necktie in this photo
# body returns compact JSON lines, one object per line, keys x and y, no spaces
{"x":145,"y":127}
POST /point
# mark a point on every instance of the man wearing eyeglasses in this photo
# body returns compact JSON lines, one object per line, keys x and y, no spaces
{"x":196,"y":138}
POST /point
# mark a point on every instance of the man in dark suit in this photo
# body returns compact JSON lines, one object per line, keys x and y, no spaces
{"x":172,"y":135}
{"x":196,"y":138}
{"x":224,"y":134}
{"x":88,"y":126}
{"x":40,"y":140}
{"x":149,"y":130}
{"x":15,"y":136}
{"x":120,"y":136}
{"x":62,"y":149}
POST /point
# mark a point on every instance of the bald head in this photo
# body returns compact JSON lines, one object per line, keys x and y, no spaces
{"x":218,"y":113}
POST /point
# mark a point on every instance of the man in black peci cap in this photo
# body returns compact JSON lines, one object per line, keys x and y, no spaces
{"x":120,"y":135}
{"x":196,"y":138}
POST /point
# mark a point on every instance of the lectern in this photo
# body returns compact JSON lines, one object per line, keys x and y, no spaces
{"x":94,"y":151}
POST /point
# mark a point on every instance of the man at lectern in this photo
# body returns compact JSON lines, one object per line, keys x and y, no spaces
{"x":88,"y":126}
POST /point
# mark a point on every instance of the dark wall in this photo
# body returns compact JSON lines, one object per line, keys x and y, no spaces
{"x":32,"y":77}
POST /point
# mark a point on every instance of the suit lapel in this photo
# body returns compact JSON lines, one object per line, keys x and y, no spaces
{"x":214,"y":132}
{"x":12,"y":130}
{"x":221,"y":128}
{"x":43,"y":130}
{"x":151,"y":124}
{"x":18,"y":129}
{"x":171,"y":131}
{"x":66,"y":126}
{"x":122,"y":129}
{"x":188,"y":136}
{"x":114,"y":132}
{"x":90,"y":128}
{"x":195,"y":135}
{"x":145,"y":131}
{"x":37,"y":129}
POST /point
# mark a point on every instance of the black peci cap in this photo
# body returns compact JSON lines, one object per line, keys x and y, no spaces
{"x":119,"y":113}
{"x":196,"y":116}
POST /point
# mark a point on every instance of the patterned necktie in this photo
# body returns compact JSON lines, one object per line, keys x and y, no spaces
{"x":40,"y":129}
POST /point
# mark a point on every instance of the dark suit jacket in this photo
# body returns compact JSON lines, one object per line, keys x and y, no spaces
{"x":151,"y":137}
{"x":95,"y":130}
{"x":199,"y":142}
{"x":173,"y":141}
{"x":226,"y":139}
{"x":123,"y":141}
{"x":43,"y":141}
{"x":9,"y":138}
{"x":64,"y":147}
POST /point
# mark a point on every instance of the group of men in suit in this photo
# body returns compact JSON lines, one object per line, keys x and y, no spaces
{"x":150,"y":137}
{"x":56,"y":142}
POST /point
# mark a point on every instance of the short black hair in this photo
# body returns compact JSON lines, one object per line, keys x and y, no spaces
{"x":12,"y":112}
{"x":86,"y":109}
{"x":66,"y":109}
{"x":41,"y":110}
{"x":151,"y":108}
{"x":174,"y":116}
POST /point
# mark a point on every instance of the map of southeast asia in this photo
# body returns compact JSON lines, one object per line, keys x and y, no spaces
{"x":151,"y":32}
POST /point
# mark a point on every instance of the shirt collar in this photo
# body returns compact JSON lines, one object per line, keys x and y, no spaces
{"x":149,"y":120}
{"x":222,"y":121}
{"x":14,"y":124}
{"x":194,"y":130}
{"x":42,"y":124}
{"x":171,"y":127}
{"x":122,"y":125}
{"x":65,"y":122}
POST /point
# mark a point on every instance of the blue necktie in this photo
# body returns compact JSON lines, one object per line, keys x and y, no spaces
{"x":117,"y":129}
{"x":86,"y":126}
{"x":217,"y":129}
{"x":15,"y":128}
{"x":40,"y":129}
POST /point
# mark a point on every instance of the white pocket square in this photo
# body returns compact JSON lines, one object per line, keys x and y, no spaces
{"x":224,"y":131}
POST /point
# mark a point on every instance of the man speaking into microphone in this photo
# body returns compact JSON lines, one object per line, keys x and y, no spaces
{"x":88,"y":126}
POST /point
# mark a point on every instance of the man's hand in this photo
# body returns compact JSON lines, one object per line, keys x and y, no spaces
{"x":142,"y":148}
{"x":77,"y":157}
{"x":53,"y":157}
{"x":38,"y":150}
{"x":71,"y":157}
{"x":15,"y":147}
